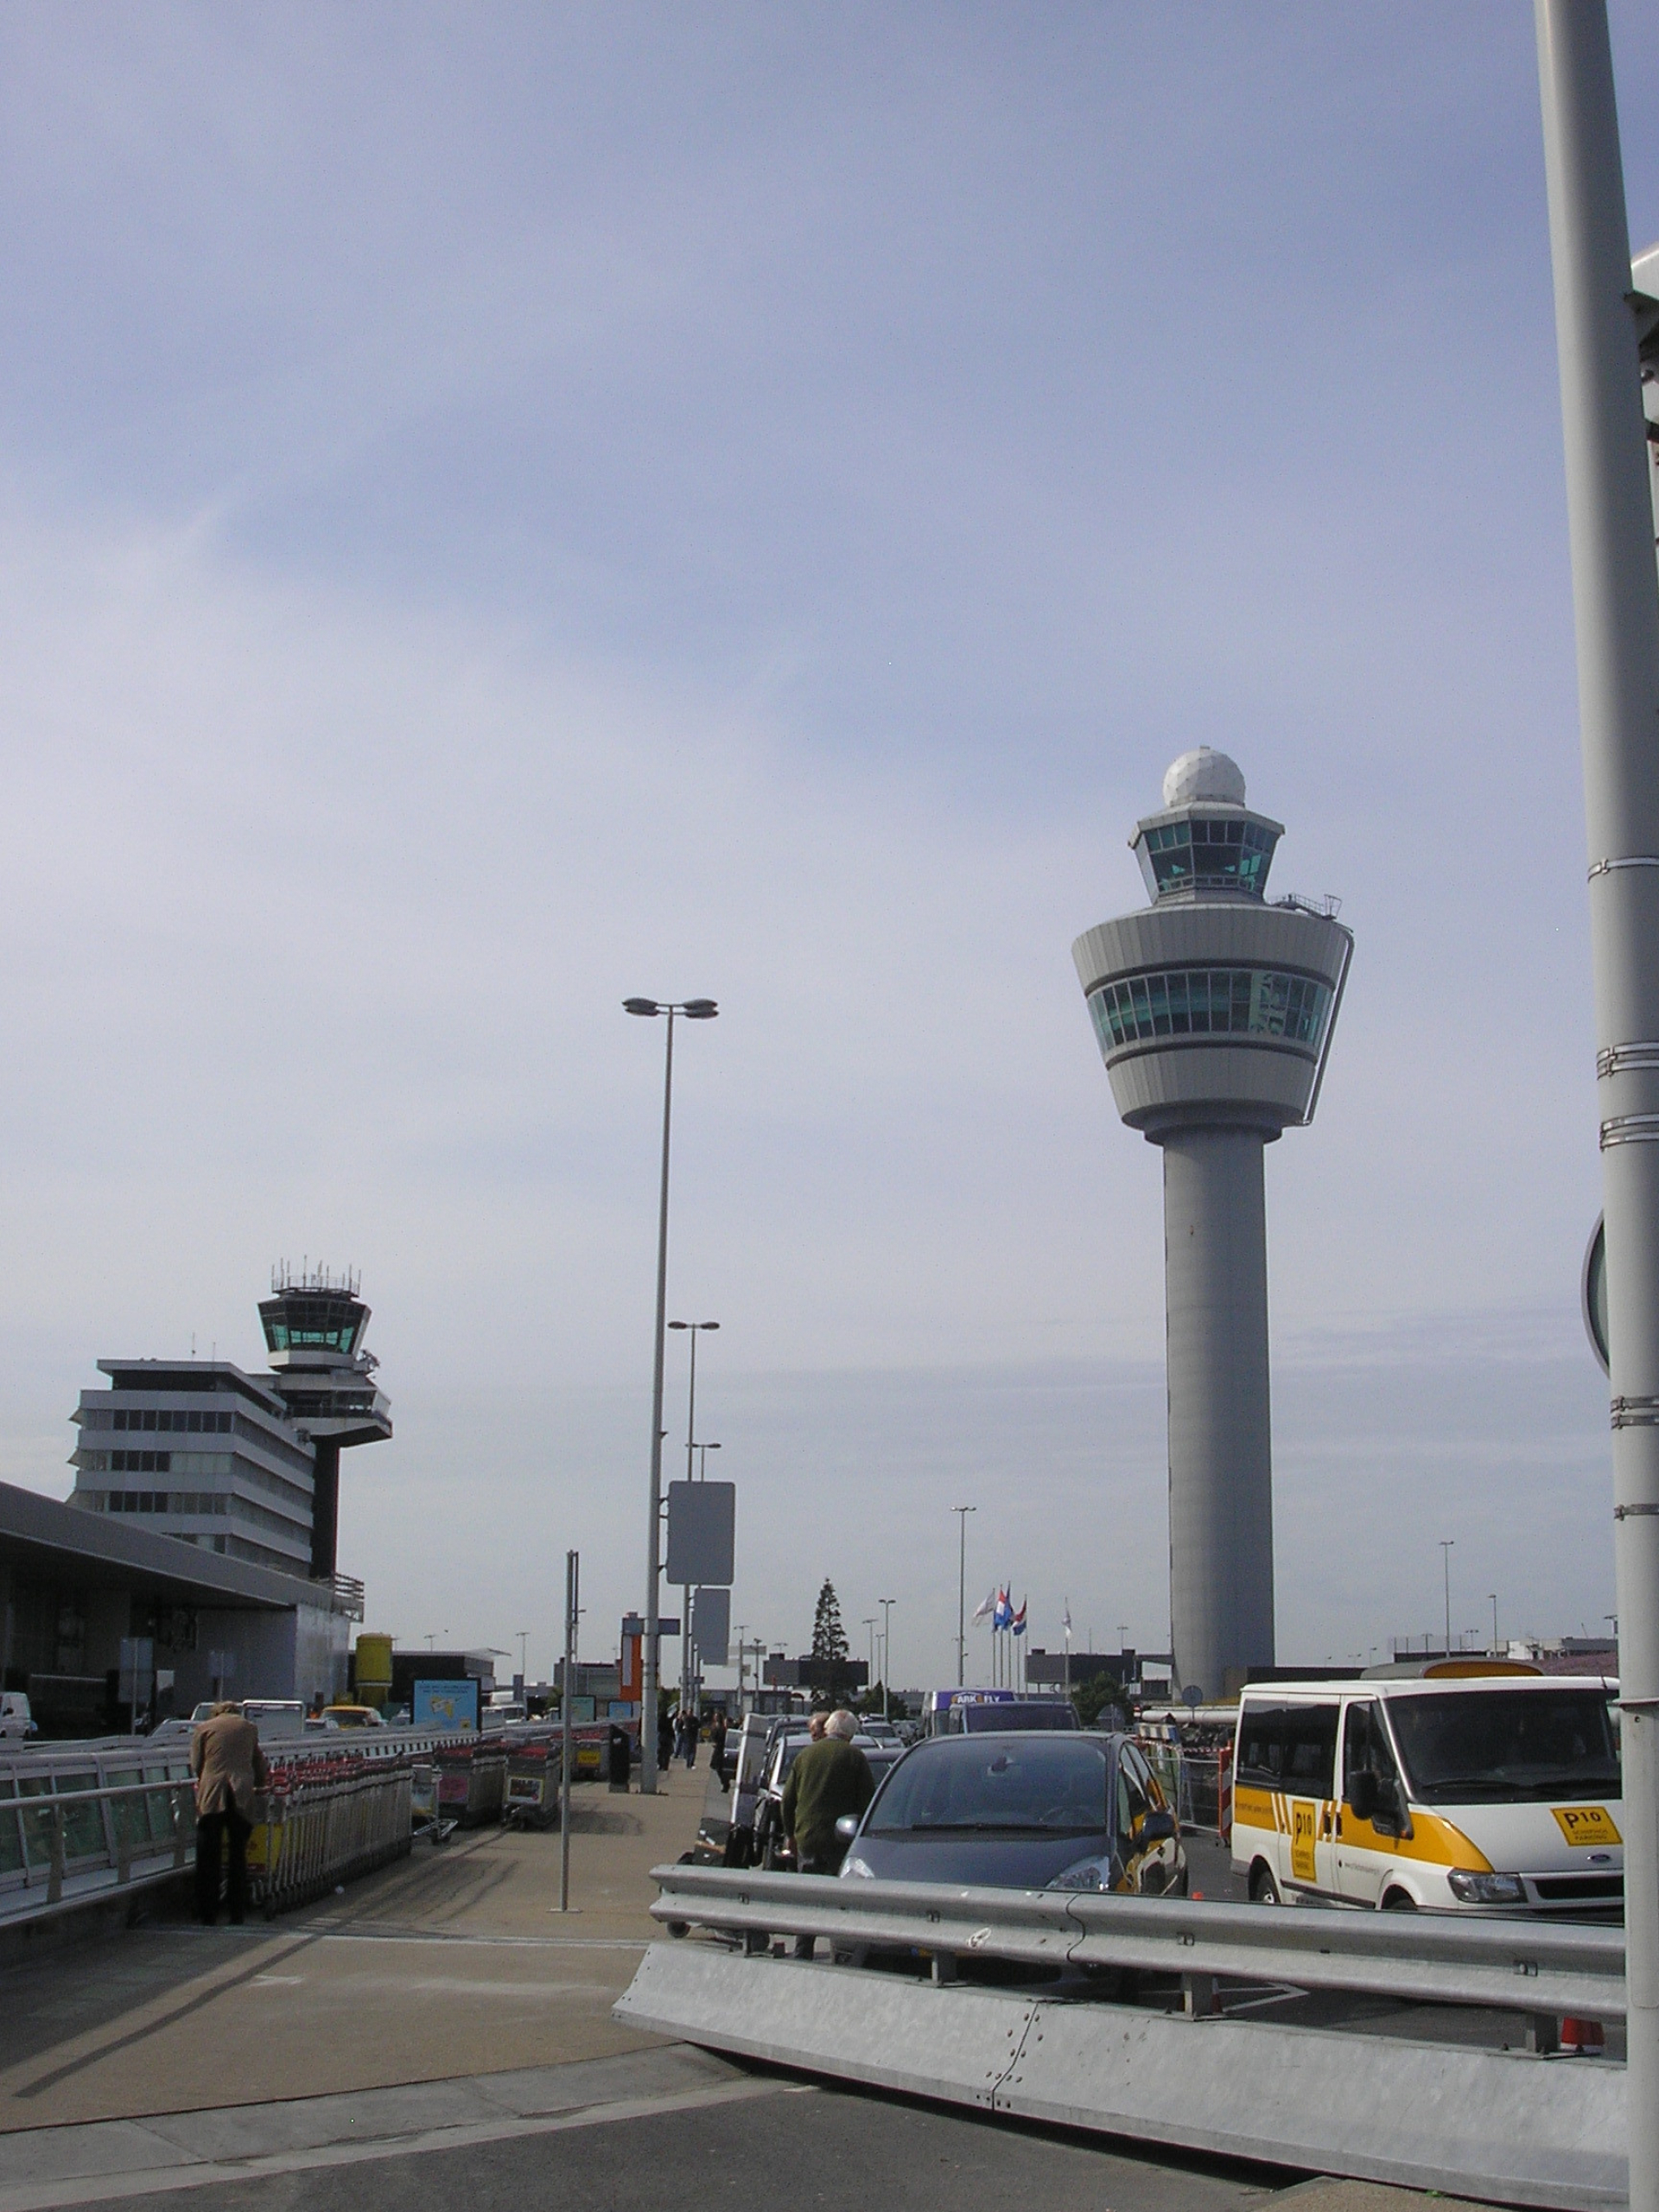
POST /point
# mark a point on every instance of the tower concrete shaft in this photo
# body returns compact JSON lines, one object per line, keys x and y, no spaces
{"x":1215,"y":1011}
{"x":1220,"y":1429}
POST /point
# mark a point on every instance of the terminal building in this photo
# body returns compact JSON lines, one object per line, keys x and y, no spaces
{"x":195,"y":1555}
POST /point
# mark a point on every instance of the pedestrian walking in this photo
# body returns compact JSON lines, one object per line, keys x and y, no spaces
{"x":693,"y":1729}
{"x":664,"y":1742}
{"x":828,"y":1780}
{"x":717,"y":1745}
{"x":229,"y":1770}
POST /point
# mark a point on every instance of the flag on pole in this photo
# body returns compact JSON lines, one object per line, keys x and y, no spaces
{"x":1065,"y":1620}
{"x":987,"y":1610}
{"x":1017,"y":1621}
{"x":1003,"y":1616}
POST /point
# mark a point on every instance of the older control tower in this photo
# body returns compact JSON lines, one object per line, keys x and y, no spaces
{"x":1214,"y":1010}
{"x":314,"y":1324}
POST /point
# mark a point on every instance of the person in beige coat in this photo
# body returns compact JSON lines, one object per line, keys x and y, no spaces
{"x":229,"y":1770}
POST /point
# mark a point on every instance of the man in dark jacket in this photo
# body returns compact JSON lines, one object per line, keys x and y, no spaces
{"x":827,"y":1781}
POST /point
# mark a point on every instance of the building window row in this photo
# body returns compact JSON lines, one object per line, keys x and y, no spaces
{"x":1233,"y":854}
{"x":255,"y":1554}
{"x":285,"y":1493}
{"x":1210,"y":1003}
{"x":148,"y":1417}
{"x":257,"y":1516}
{"x":270,"y":1440}
{"x":156,"y":1501}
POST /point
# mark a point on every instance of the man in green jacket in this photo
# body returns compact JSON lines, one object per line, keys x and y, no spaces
{"x":826,"y":1781}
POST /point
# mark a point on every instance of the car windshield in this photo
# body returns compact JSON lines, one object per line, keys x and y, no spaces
{"x":1036,"y":1781}
{"x":1493,"y":1744}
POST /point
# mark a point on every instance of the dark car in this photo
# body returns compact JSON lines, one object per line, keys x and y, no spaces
{"x":1028,"y":1811}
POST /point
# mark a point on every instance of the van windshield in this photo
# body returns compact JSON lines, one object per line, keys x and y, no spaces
{"x":1492,"y":1745}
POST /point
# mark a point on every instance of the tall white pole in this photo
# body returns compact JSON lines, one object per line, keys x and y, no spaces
{"x":649,"y":1660}
{"x":1615,"y":610}
{"x":568,"y":1690}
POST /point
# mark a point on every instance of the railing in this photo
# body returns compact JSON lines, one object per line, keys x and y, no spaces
{"x":345,"y":1592}
{"x":68,"y":1848}
{"x":1197,"y":1783}
{"x":1540,"y":1970}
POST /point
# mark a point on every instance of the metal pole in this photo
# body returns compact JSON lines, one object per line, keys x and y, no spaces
{"x":962,"y":1513}
{"x":568,"y":1686}
{"x":1492,"y":1594}
{"x":886,"y":1605}
{"x":1447,"y":1545}
{"x":1615,"y":613}
{"x":649,"y":1663}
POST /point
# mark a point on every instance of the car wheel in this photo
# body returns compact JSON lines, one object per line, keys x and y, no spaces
{"x":1263,"y":1888}
{"x":1397,"y":1900}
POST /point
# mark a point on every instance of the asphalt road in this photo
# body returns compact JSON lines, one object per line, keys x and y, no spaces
{"x":790,"y":2144}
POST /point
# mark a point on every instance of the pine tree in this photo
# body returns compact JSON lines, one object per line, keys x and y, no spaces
{"x":829,"y":1638}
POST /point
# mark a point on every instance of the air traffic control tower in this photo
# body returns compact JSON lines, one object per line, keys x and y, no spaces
{"x":313,"y":1324}
{"x":1215,"y":1009}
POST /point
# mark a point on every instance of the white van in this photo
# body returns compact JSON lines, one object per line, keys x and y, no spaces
{"x":1453,"y":1790}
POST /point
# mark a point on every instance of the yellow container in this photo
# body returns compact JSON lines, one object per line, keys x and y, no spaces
{"x":373,"y":1669}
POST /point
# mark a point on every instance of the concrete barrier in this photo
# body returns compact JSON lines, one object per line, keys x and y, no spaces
{"x":1470,"y":2122}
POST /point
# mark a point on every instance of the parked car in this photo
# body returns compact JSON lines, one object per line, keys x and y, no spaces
{"x":16,"y":1719}
{"x":355,"y":1716}
{"x":1030,"y":1809}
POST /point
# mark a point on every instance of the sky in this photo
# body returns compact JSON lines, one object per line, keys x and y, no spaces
{"x":501,"y":510}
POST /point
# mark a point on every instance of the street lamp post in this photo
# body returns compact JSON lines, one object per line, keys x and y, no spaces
{"x":962,"y":1513}
{"x":1492,"y":1595}
{"x":1607,"y":328}
{"x":1448,"y":1545}
{"x":694,"y":1010}
{"x":869,"y":1679}
{"x":886,"y":1605}
{"x":693,"y":1328}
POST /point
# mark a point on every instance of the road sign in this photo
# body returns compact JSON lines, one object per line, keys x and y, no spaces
{"x":702,"y":1532}
{"x":711,"y":1624}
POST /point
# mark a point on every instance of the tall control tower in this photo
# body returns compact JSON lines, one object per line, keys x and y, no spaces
{"x":313,"y":1324}
{"x":1215,"y":1009}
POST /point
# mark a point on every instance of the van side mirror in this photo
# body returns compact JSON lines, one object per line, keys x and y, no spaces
{"x":1362,"y":1795}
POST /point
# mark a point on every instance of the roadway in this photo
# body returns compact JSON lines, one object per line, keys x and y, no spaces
{"x":426,"y":2037}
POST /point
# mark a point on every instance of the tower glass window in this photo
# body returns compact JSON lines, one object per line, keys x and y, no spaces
{"x":1210,"y":1003}
{"x":1210,"y":853}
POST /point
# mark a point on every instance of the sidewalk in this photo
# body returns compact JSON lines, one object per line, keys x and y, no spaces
{"x":454,"y":1961}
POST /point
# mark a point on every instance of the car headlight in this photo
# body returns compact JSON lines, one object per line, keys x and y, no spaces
{"x":1085,"y":1875}
{"x":1488,"y":1889}
{"x":858,"y":1868}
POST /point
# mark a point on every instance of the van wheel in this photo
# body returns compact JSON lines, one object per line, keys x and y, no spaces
{"x":1397,"y":1900}
{"x":1263,"y":1889}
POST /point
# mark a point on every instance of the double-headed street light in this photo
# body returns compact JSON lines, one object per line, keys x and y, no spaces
{"x":694,"y":1010}
{"x":886,"y":1605}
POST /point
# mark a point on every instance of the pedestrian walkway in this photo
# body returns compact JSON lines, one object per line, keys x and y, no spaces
{"x":455,"y":1960}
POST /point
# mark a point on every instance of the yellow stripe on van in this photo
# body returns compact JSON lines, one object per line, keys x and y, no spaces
{"x":1433,"y":1842}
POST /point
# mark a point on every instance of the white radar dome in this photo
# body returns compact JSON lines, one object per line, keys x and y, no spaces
{"x":1204,"y":776}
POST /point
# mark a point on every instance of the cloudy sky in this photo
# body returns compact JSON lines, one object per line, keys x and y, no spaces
{"x":502,"y":509}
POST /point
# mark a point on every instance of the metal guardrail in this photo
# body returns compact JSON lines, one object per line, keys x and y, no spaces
{"x":63,"y":1851}
{"x":1544,"y":1970}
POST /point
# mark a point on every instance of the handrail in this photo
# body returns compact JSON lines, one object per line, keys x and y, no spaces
{"x":1516,"y":1965}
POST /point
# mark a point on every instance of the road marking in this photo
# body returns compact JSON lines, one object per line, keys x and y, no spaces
{"x":102,"y":2189}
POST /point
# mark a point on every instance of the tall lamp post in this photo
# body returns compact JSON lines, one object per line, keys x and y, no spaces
{"x":1448,"y":1545}
{"x":886,"y":1605}
{"x":962,"y":1513}
{"x":692,"y":1328}
{"x":1607,"y":327}
{"x":694,"y":1010}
